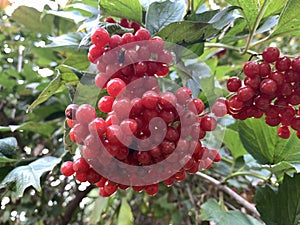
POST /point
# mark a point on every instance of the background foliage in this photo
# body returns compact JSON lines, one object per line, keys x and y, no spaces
{"x":43,"y":57}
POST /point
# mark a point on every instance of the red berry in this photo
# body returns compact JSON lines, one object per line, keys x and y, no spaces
{"x":97,"y":126}
{"x":81,"y":176}
{"x":67,"y":168}
{"x":208,"y":123}
{"x":264,"y":69}
{"x":284,"y":132}
{"x":70,"y":111}
{"x":245,"y":94}
{"x":150,"y":99}
{"x":270,"y":54}
{"x":110,"y":187}
{"x":115,"y":41}
{"x":295,"y":124}
{"x":115,"y":87}
{"x":219,"y":109}
{"x":85,"y":114}
{"x":128,"y":126}
{"x":283,"y":63}
{"x":268,"y":86}
{"x":152,"y":189}
{"x":183,"y":95}
{"x":109,"y":20}
{"x":100,"y":37}
{"x":105,"y":104}
{"x":251,"y":69}
{"x":81,"y":166}
{"x":196,"y":106}
{"x":233,"y":84}
{"x":92,"y":176}
{"x":296,"y":64}
{"x":142,"y":34}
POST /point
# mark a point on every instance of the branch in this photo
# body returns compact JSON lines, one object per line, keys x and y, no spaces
{"x":72,"y":206}
{"x":230,"y":192}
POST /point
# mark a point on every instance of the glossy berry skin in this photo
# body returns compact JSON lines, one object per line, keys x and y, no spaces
{"x":142,"y":34}
{"x":183,"y":95}
{"x":85,"y":114}
{"x":284,"y":132}
{"x":97,"y":126}
{"x":105,"y":104}
{"x":251,"y":69}
{"x":233,"y":84}
{"x":100,"y":37}
{"x":283,"y":63}
{"x":245,"y":94}
{"x":219,"y":109}
{"x":270,"y":54}
{"x":268,"y":86}
{"x":80,"y":165}
{"x":208,"y":123}
{"x":67,"y":168}
{"x":115,"y":87}
{"x":152,"y":189}
{"x":296,"y":64}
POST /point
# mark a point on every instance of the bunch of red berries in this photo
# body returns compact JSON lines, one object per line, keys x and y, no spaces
{"x":146,"y":136}
{"x":271,"y":87}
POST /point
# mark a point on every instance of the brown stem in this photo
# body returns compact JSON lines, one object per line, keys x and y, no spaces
{"x":72,"y":206}
{"x":250,"y":207}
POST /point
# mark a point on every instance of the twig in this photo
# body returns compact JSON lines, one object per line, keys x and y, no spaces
{"x":188,"y":189}
{"x":230,"y":192}
{"x":72,"y":206}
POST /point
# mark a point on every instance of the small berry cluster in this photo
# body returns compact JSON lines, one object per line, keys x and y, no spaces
{"x":271,"y":87}
{"x":142,"y":126}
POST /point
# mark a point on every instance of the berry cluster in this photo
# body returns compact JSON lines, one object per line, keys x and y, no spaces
{"x":146,"y":136}
{"x":270,"y":87}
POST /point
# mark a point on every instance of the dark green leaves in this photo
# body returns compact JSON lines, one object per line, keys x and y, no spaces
{"x":189,"y":32}
{"x":123,"y":9}
{"x":282,"y":206}
{"x":263,"y":143}
{"x":212,"y":211}
{"x":160,"y":14}
{"x":29,"y":175}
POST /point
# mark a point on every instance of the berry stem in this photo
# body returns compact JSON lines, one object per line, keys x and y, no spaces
{"x":256,"y":24}
{"x":220,"y":45}
{"x":242,"y":173}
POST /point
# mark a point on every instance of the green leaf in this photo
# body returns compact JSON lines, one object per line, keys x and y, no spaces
{"x":233,"y":143}
{"x":263,"y":143}
{"x":99,"y":205}
{"x":274,"y":8}
{"x":45,"y":128}
{"x":8,"y":146}
{"x":125,"y":216}
{"x":29,"y":175}
{"x":4,"y":159}
{"x":122,"y":9}
{"x":289,"y":20}
{"x":57,"y":85}
{"x":160,"y":14}
{"x":189,"y":32}
{"x":74,"y":16}
{"x":281,"y":206}
{"x":66,"y":42}
{"x":33,"y":20}
{"x":211,"y":211}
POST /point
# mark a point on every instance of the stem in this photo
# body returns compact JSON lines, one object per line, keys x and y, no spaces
{"x":230,"y":192}
{"x":256,"y":24}
{"x":245,"y":174}
{"x":220,"y":45}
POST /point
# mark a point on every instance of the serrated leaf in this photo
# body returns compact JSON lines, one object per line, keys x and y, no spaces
{"x":45,"y":128}
{"x":160,"y":14}
{"x":211,"y":211}
{"x":288,"y":24}
{"x":33,"y":20}
{"x":122,"y":9}
{"x":29,"y":175}
{"x":74,"y":16}
{"x":189,"y":32}
{"x":125,"y":216}
{"x":263,"y":143}
{"x":282,"y":206}
{"x":8,"y":146}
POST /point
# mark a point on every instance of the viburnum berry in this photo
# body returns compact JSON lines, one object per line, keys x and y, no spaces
{"x":85,"y":113}
{"x":100,"y":37}
{"x":245,"y":93}
{"x":251,"y":69}
{"x":142,"y":34}
{"x":233,"y":84}
{"x":152,"y":189}
{"x":208,"y":123}
{"x":283,"y":63}
{"x":115,"y":87}
{"x":296,"y":64}
{"x":284,"y":132}
{"x":268,"y":86}
{"x":97,"y":126}
{"x":80,"y":165}
{"x":67,"y":168}
{"x":270,"y":54}
{"x":219,"y":109}
{"x":105,"y":104}
{"x":70,"y":111}
{"x":183,"y":95}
